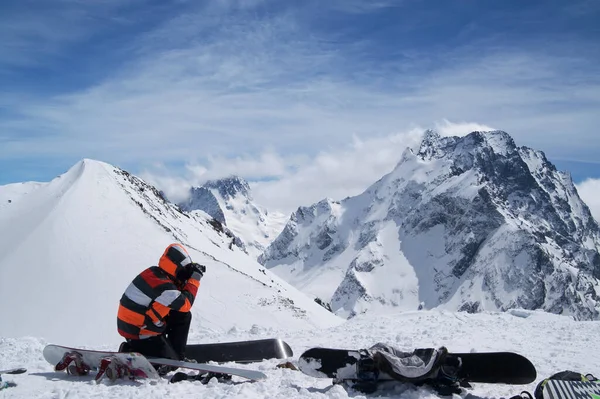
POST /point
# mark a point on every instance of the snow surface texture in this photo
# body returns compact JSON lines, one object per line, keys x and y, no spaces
{"x":230,"y":201}
{"x":465,"y":223}
{"x":70,"y":247}
{"x":553,"y":343}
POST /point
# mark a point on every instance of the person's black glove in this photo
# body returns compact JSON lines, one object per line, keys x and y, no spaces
{"x":194,"y":270}
{"x":198,"y":270}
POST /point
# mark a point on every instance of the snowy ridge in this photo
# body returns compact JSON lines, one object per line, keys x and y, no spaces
{"x":76,"y":243}
{"x":465,"y":223}
{"x":230,"y":201}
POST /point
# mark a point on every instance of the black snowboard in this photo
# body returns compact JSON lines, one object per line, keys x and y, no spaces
{"x":485,"y":367}
{"x":240,"y":352}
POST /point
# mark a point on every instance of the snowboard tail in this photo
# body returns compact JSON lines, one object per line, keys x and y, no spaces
{"x":496,"y":368}
{"x":486,"y":367}
{"x":239,"y":352}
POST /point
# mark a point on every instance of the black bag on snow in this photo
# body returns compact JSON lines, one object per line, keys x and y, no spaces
{"x":566,"y":375}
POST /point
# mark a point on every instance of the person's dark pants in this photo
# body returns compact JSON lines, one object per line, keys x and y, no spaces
{"x":171,"y":344}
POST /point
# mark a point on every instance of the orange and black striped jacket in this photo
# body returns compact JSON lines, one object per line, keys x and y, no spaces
{"x":153,"y":294}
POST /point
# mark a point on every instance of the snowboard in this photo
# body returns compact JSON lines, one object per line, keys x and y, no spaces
{"x":561,"y":389}
{"x":8,"y":384}
{"x":484,"y":367}
{"x":54,"y":354}
{"x":239,"y":352}
{"x":137,"y":364}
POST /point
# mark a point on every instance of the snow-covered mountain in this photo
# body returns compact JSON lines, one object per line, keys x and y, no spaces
{"x":70,"y":247}
{"x":230,"y":201}
{"x":465,"y":223}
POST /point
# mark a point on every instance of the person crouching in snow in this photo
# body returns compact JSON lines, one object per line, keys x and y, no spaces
{"x":154,"y":312}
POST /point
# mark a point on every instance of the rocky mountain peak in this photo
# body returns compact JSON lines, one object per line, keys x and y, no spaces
{"x":469,"y":223}
{"x":201,"y":198}
{"x":230,"y":187}
{"x":430,"y":144}
{"x":230,"y":202}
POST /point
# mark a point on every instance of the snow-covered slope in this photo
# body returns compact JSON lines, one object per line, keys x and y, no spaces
{"x":553,"y":343}
{"x":230,"y":201}
{"x":70,"y":247}
{"x":470,"y":223}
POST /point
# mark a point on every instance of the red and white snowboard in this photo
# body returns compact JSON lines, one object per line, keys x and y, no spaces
{"x":82,"y":361}
{"x":108,"y":364}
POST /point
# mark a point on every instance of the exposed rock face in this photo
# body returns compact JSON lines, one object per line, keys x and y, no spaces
{"x":230,"y":201}
{"x":201,"y":198}
{"x":466,"y":223}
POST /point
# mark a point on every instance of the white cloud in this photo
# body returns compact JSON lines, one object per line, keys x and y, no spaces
{"x":176,"y":186}
{"x":337,"y":174}
{"x":447,"y":128}
{"x":209,"y":89}
{"x":267,"y":165}
{"x":589,"y":191}
{"x":247,"y":91}
{"x":298,"y":180}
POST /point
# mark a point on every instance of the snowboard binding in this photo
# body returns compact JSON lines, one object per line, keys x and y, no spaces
{"x":367,"y":374}
{"x":114,"y":368}
{"x":442,"y":376}
{"x":73,"y":363}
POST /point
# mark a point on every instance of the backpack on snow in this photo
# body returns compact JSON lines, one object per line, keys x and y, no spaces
{"x":569,"y":385}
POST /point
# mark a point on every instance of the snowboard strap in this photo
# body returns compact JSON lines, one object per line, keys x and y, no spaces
{"x":417,"y":366}
{"x":430,"y":366}
{"x":366,"y":369}
{"x":522,"y":395}
{"x":114,"y":368}
{"x":73,"y":363}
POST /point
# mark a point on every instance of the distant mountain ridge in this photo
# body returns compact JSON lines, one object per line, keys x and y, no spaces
{"x":465,"y":223}
{"x":230,"y":187}
{"x":229,"y":200}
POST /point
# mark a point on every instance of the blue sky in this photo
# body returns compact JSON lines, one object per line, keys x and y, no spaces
{"x":178,"y":91}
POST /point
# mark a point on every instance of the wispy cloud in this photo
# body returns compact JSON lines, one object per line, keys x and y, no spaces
{"x":295,"y":180}
{"x":219,"y":99}
{"x":448,"y":128}
{"x":32,"y":32}
{"x":361,"y":6}
{"x":589,"y":191}
{"x":220,"y":84}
